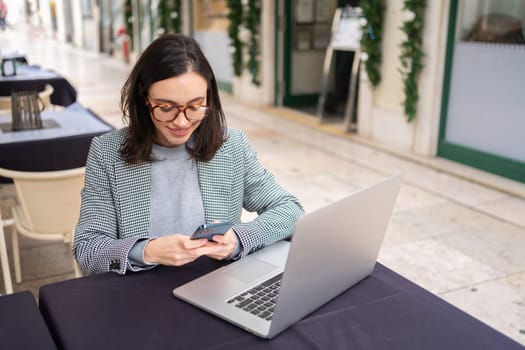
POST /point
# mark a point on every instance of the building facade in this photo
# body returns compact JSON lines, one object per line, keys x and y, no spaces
{"x":471,"y":94}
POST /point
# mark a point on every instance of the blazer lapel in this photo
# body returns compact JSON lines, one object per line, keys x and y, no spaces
{"x":133,"y":198}
{"x":215,"y":179}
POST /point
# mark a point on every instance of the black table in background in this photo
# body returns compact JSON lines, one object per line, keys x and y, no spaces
{"x":53,"y":153}
{"x":138,"y":311}
{"x":35,"y":78}
{"x":21,"y":324}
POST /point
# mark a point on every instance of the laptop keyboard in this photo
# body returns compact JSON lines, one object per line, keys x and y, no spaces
{"x":259,"y":300}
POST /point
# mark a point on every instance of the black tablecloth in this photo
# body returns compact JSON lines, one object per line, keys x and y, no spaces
{"x":64,"y":93}
{"x":21,"y":324}
{"x":43,"y":155}
{"x":58,"y":153}
{"x":138,"y":311}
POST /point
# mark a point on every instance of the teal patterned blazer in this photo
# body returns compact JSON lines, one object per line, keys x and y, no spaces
{"x":114,"y":213}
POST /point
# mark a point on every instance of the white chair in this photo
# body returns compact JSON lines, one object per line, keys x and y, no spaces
{"x":5,"y":102}
{"x":4,"y":262}
{"x":48,"y":209}
{"x":45,"y":96}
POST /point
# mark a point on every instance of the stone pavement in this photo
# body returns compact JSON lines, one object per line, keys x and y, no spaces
{"x":456,"y":231}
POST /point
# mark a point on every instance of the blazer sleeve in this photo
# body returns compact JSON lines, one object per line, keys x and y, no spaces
{"x":277,"y":209}
{"x":97,"y":245}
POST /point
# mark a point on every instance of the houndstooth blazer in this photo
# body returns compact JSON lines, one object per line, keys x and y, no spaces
{"x":114,"y":213}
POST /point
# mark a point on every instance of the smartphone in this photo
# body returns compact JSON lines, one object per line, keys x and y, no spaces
{"x":209,"y":230}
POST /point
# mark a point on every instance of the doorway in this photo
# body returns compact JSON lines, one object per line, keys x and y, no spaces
{"x":302,"y":37}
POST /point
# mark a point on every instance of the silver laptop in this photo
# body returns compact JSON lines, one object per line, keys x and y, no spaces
{"x":332,"y":249}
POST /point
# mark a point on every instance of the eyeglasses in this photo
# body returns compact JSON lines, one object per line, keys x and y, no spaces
{"x":170,"y":112}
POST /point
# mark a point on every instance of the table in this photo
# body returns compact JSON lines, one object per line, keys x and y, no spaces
{"x":21,"y":324}
{"x":138,"y":311}
{"x":36,"y":78}
{"x":55,"y":148}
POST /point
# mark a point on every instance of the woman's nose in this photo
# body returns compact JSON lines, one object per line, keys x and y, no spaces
{"x":180,"y":120}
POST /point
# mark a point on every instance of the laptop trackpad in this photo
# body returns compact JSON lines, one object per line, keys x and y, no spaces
{"x":251,"y":269}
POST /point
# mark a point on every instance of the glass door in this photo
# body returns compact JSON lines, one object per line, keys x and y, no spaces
{"x":304,"y":35}
{"x":482,"y":115}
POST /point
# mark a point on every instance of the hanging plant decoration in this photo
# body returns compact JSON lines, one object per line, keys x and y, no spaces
{"x":169,"y":16}
{"x":235,"y":13}
{"x":245,"y":18}
{"x":412,"y":53}
{"x":372,"y":25}
{"x":251,"y":24}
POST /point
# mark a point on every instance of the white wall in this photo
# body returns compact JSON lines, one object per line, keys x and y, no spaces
{"x":267,"y":39}
{"x":77,"y":22}
{"x":426,"y":132}
{"x":380,"y":112}
{"x":61,"y":28}
{"x":45,"y":16}
{"x":243,"y":86}
{"x":15,"y":11}
{"x":389,"y":93}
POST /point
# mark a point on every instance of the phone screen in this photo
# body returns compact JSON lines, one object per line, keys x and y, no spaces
{"x":209,"y":230}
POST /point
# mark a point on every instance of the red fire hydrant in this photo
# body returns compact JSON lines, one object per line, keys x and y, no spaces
{"x":123,"y":37}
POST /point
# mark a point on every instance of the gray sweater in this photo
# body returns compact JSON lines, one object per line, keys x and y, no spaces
{"x":176,"y":200}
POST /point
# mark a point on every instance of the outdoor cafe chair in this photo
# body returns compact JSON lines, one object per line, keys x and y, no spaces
{"x":4,"y":261}
{"x":48,"y":208}
{"x":45,"y":96}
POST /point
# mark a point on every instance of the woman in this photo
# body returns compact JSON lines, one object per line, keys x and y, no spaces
{"x":149,"y":185}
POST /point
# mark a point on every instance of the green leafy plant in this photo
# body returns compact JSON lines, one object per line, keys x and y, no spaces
{"x":372,"y":25}
{"x":235,"y":15}
{"x":412,"y":53}
{"x":169,"y":16}
{"x":251,"y":22}
{"x":245,"y":19}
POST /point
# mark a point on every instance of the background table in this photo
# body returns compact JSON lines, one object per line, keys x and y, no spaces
{"x":36,"y":78}
{"x":138,"y":311}
{"x":63,"y":147}
{"x":21,"y":324}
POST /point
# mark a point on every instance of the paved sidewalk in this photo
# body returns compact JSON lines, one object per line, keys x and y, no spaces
{"x":461,"y":240}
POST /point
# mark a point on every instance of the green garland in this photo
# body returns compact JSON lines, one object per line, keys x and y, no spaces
{"x":169,"y":12}
{"x":235,"y":16}
{"x":245,"y":18}
{"x":412,"y":54}
{"x":371,"y":39}
{"x":251,"y":22}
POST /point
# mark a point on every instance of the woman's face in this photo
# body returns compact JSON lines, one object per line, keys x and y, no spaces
{"x":188,"y":89}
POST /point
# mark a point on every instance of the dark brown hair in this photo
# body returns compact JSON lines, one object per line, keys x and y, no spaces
{"x":169,"y":56}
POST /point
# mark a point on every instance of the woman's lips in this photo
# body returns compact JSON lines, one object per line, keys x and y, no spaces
{"x":179,"y":132}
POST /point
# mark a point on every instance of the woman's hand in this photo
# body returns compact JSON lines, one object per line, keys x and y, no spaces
{"x":178,"y":250}
{"x":175,"y":250}
{"x":223,"y":245}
